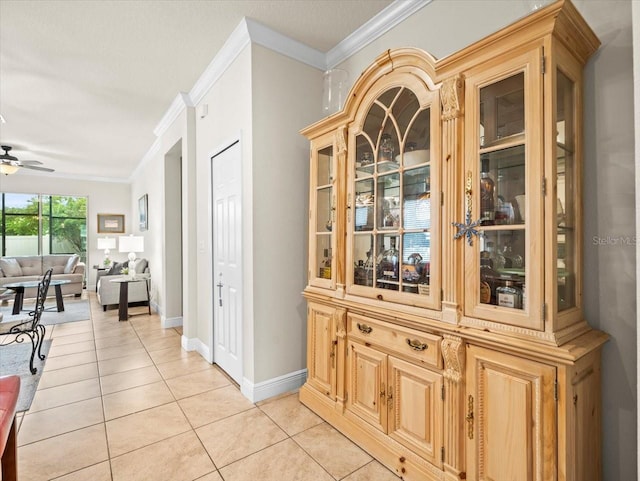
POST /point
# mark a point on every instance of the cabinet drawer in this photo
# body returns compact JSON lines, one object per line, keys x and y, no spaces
{"x":409,"y":343}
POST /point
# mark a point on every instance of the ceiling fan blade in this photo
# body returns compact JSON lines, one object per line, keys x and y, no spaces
{"x":30,"y":162}
{"x":33,"y":167}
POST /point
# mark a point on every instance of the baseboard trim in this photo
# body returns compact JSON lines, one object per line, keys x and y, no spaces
{"x":170,"y":322}
{"x":273,"y":387}
{"x":156,"y":307}
{"x":195,"y":344}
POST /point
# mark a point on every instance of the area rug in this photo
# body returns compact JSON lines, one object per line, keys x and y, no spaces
{"x":75,"y":309}
{"x":14,"y":359}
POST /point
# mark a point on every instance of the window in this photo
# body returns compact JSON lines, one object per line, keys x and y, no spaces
{"x":33,"y":224}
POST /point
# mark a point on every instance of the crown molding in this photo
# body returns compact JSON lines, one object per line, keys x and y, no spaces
{"x":181,"y":101}
{"x":373,"y":29}
{"x":284,"y":45}
{"x":234,"y":45}
{"x":249,"y":31}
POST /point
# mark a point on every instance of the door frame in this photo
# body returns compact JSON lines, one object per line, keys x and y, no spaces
{"x":222,"y":147}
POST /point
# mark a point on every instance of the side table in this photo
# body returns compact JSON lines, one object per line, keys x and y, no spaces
{"x":123,"y":305}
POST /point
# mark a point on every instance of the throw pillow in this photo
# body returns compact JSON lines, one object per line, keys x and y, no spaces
{"x":116,"y":268}
{"x":71,"y":264}
{"x":10,"y":267}
{"x":141,"y":265}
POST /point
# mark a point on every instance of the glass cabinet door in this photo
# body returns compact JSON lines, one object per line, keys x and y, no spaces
{"x":504,"y":170}
{"x":322,"y":221}
{"x":566,"y":179}
{"x":392,"y":244}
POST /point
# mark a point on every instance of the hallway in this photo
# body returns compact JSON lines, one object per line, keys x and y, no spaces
{"x":122,"y":401}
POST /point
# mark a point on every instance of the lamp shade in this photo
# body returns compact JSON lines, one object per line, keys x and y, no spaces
{"x":106,"y":242}
{"x":131,"y":243}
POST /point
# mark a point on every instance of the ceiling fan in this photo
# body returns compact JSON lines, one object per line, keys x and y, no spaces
{"x":9,"y":164}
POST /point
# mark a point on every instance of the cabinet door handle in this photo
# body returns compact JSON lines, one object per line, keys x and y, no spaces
{"x":390,"y":395}
{"x":469,"y":418}
{"x":364,"y":328}
{"x":333,"y":352}
{"x":382,"y":393}
{"x":468,"y":227}
{"x":416,"y":345}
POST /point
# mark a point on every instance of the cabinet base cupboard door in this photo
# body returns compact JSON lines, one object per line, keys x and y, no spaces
{"x":415,"y":408}
{"x":367,"y":388}
{"x":511,"y":418}
{"x":321,"y":348}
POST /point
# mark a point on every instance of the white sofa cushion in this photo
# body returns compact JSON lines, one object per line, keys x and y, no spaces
{"x":71,"y":264}
{"x":30,"y":265}
{"x":57,"y":262}
{"x":10,"y":267}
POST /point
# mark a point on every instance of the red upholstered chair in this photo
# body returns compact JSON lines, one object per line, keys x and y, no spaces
{"x":9,"y":390}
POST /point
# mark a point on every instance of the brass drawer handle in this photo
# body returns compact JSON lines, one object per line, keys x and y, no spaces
{"x":416,"y":345}
{"x":364,"y":328}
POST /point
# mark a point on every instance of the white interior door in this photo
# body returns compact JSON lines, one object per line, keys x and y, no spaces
{"x":227,"y":260}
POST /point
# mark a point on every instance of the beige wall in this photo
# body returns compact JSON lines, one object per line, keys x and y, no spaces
{"x":286,"y":97}
{"x":150,"y":180}
{"x":103,"y":198}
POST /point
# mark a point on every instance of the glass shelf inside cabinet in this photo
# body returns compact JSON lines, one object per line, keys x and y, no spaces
{"x":502,"y":187}
{"x":502,"y":112}
{"x":502,"y":269}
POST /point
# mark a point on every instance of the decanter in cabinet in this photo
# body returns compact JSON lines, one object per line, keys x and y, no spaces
{"x":445,"y":329}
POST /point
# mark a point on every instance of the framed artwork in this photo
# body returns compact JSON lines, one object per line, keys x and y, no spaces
{"x":143,"y":205}
{"x":110,"y":224}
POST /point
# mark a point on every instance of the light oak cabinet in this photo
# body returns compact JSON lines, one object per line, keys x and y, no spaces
{"x":445,"y":328}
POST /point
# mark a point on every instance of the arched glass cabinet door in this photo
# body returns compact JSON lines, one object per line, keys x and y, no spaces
{"x":393,"y":199}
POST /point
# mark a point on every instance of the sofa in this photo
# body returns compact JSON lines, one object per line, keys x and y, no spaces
{"x":32,"y":268}
{"x":108,"y":293}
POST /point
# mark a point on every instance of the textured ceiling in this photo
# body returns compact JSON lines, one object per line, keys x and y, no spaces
{"x":84,"y":83}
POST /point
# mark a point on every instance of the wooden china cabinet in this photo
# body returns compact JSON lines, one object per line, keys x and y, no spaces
{"x":445,"y":328}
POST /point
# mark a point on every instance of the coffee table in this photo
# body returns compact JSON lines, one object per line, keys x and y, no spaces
{"x":19,"y":288}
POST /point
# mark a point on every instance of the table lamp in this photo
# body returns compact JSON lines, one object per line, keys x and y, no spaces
{"x":131,"y":244}
{"x":106,"y":243}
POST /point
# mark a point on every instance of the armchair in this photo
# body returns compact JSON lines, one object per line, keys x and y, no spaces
{"x":108,"y":293}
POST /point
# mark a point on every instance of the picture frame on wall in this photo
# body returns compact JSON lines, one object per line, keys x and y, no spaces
{"x":110,"y":223}
{"x":143,"y":205}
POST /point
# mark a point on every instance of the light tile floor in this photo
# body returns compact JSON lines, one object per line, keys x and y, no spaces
{"x":121,"y":401}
